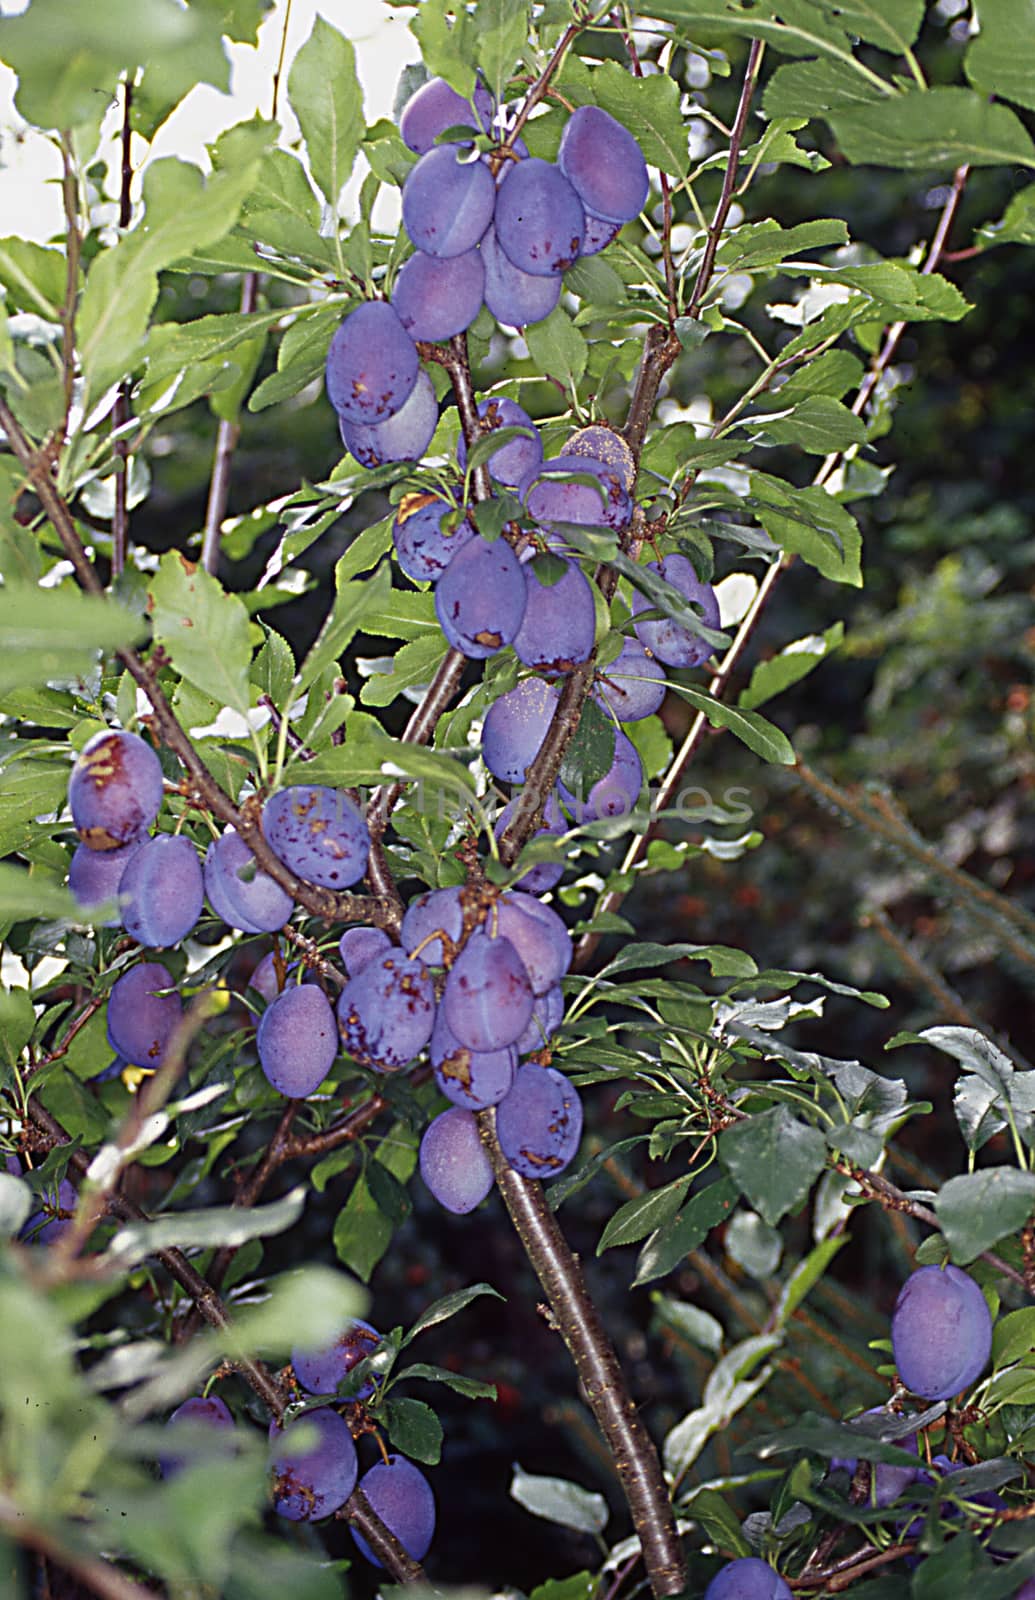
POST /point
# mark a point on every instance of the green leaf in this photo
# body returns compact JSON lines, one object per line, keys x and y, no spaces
{"x":327,"y":99}
{"x":1017,"y":224}
{"x":218,"y":1225}
{"x":174,"y":347}
{"x":765,"y":244}
{"x":1013,"y":1338}
{"x":448,"y":43}
{"x":811,"y":524}
{"x":723,"y":960}
{"x":795,"y":27}
{"x":558,"y":1500}
{"x":301,"y":358}
{"x":650,"y":107}
{"x":580,"y":1586}
{"x":502,"y":28}
{"x":979,"y":1208}
{"x":557,"y":347}
{"x":25,"y":893}
{"x":1000,"y":60}
{"x":17,"y":1020}
{"x":414,"y":1429}
{"x":472,"y":1388}
{"x":414,"y":665}
{"x":818,"y":424}
{"x":806,"y":1275}
{"x":56,"y":633}
{"x":794,"y":662}
{"x":665,"y":1249}
{"x":448,"y":1306}
{"x":34,"y":276}
{"x":775,"y":1158}
{"x":933,"y":128}
{"x":643,"y":1214}
{"x":590,"y":754}
{"x":15,"y":1204}
{"x":203,"y":629}
{"x":239,"y":19}
{"x":807,"y":89}
{"x":353,"y":603}
{"x":732,"y":1383}
{"x":751,"y":729}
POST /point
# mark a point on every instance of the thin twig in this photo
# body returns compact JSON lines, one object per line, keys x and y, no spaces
{"x":121,"y":414}
{"x":729,"y":179}
{"x":227,"y":435}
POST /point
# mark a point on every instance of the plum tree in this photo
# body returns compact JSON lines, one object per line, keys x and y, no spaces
{"x":469,"y":1078}
{"x":163,"y":889}
{"x":200,"y":1411}
{"x":311,"y":1480}
{"x":514,"y":460}
{"x":324,"y":1370}
{"x":668,"y":640}
{"x":539,"y":220}
{"x":604,"y":165}
{"x":437,"y":297}
{"x":453,"y":1162}
{"x":515,"y":297}
{"x":480,"y":598}
{"x":447,"y":202}
{"x":539,"y":1123}
{"x":427,"y":533}
{"x":747,"y":1578}
{"x":372,"y":365}
{"x":297,"y":1040}
{"x":115,"y":791}
{"x":488,"y":995}
{"x":144,"y":1011}
{"x":941,"y":1332}
{"x":386,"y":1012}
{"x":319,"y":834}
{"x":435,"y":107}
{"x":559,"y":622}
{"x":404,"y":436}
{"x":515,"y":727}
{"x":238,"y":892}
{"x":402,"y":1497}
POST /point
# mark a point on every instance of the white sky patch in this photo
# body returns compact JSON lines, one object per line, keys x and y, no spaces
{"x":30,"y":168}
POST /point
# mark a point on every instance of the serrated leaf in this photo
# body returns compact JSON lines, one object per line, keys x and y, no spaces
{"x":643,"y":1214}
{"x":809,"y":523}
{"x":502,"y":28}
{"x":204,"y":630}
{"x":723,"y":960}
{"x":1013,"y":1338}
{"x":650,"y":108}
{"x":354,"y":601}
{"x":803,"y":1279}
{"x":818,"y":423}
{"x":935,"y":128}
{"x":665,"y":1249}
{"x":775,"y":1158}
{"x":979,"y":1208}
{"x":327,"y":99}
{"x":764,"y":244}
{"x":56,"y":633}
{"x":472,"y":1388}
{"x":448,"y":1306}
{"x":413,"y":666}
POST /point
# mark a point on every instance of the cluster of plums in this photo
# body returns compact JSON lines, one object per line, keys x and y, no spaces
{"x":495,"y":230}
{"x":474,"y":981}
{"x":314,"y":1478}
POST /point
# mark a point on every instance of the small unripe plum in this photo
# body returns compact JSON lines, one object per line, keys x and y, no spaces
{"x":200,"y":1411}
{"x":437,"y":297}
{"x":323,"y":1371}
{"x":427,"y":533}
{"x":164,"y":890}
{"x":372,"y":365}
{"x":747,"y":1579}
{"x":297,"y":1040}
{"x":453,"y":1162}
{"x":318,"y":833}
{"x":115,"y":791}
{"x":539,"y":219}
{"x":447,"y":202}
{"x":941,"y":1332}
{"x":314,"y":1482}
{"x":667,"y":639}
{"x":404,"y":436}
{"x":515,"y":298}
{"x":401,"y":1495}
{"x":480,"y":598}
{"x":514,"y":461}
{"x":141,"y":1020}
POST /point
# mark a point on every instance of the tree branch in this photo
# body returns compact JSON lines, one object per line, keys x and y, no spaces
{"x":121,"y":413}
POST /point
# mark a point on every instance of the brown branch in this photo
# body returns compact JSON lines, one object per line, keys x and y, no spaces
{"x":729,"y":179}
{"x":70,"y":199}
{"x":603,"y":1381}
{"x":227,"y":435}
{"x":121,"y":413}
{"x":844,"y":1573}
{"x":542,"y":83}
